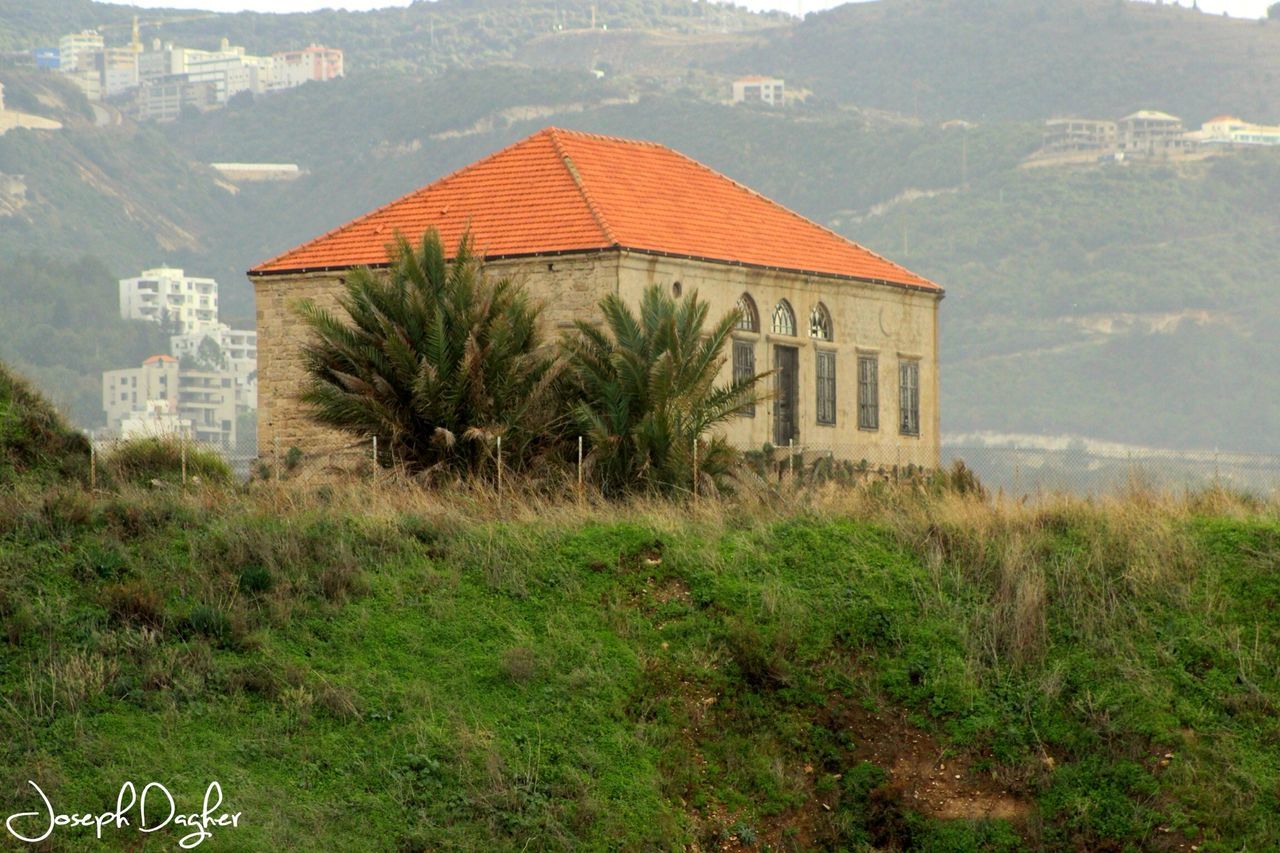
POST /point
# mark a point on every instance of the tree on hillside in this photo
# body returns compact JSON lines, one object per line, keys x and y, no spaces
{"x":434,"y":359}
{"x":646,"y":391}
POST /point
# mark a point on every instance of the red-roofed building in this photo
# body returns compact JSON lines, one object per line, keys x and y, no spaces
{"x":574,"y":216}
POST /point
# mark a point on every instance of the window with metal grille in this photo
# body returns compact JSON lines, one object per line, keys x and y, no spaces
{"x":744,"y":367}
{"x":826,"y":386}
{"x":868,"y":392}
{"x":909,"y":397}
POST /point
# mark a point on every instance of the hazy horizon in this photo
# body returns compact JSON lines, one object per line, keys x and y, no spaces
{"x":1235,"y":8}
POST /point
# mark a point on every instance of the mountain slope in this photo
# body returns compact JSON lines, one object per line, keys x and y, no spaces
{"x":1030,"y":59}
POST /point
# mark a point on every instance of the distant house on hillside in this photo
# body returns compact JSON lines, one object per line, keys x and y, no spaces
{"x":1151,"y":133}
{"x":759,"y":90}
{"x":852,"y":337}
{"x":1228,"y":130}
{"x":1062,"y":135}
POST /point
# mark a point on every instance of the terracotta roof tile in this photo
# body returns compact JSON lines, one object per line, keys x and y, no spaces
{"x":563,"y":191}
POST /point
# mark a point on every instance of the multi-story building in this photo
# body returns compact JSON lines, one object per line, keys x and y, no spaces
{"x":161,"y":395}
{"x":1228,"y":130}
{"x":158,"y":419}
{"x":237,"y":348}
{"x":314,"y":62}
{"x":169,"y":295}
{"x":1068,"y":135}
{"x":1151,"y":133}
{"x":119,"y":70}
{"x":166,"y":98}
{"x":759,"y":90}
{"x":78,"y":51}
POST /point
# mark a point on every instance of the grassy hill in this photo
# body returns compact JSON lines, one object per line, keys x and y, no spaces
{"x":393,"y":669}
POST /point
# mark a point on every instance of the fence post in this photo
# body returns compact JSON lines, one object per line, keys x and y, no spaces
{"x":93,"y":466}
{"x":499,"y":466}
{"x":183,"y":445}
{"x":375,"y":456}
{"x":275,"y":440}
{"x":791,"y":459}
{"x":695,"y":469}
{"x":579,"y":468}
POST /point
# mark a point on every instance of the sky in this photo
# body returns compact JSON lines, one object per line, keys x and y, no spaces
{"x":1238,"y":8}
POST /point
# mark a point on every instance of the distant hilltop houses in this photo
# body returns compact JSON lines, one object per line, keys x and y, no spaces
{"x":207,"y":381}
{"x":1145,"y":135}
{"x":759,"y":90}
{"x":160,"y":81}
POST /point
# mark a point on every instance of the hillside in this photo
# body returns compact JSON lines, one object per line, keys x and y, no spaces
{"x":1124,"y":303}
{"x":1029,"y":59}
{"x":386,"y":668}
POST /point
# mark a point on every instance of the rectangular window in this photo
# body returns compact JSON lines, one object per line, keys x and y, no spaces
{"x":868,"y":392}
{"x":826,"y":385}
{"x":909,"y":397}
{"x":744,"y":367}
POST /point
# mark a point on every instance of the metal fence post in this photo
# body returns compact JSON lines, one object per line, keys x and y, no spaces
{"x":183,"y":446}
{"x":375,"y":455}
{"x":791,"y":459}
{"x":579,"y":467}
{"x":499,"y":465}
{"x":695,"y":469}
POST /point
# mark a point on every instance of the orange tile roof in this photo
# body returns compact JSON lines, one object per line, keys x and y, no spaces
{"x":561,"y":191}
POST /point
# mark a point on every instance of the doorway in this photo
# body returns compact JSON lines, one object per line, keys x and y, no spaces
{"x":786,"y":404}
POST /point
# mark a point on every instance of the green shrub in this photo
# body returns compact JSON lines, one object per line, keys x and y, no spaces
{"x":144,"y":460}
{"x":35,"y":440}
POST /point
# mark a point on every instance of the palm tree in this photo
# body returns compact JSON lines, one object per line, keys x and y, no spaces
{"x":646,"y":392}
{"x":434,"y":359}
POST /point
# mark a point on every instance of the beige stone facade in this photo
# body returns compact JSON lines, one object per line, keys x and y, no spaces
{"x":891,"y":324}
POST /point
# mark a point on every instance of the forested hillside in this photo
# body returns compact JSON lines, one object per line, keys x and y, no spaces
{"x":1029,"y":59}
{"x":1121,"y":302}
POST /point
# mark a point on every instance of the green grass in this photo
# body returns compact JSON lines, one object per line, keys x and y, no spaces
{"x":400,"y":670}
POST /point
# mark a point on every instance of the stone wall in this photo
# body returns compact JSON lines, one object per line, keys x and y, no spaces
{"x":894,"y":323}
{"x":568,"y":286}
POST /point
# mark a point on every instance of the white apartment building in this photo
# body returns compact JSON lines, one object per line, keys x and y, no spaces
{"x":239,"y":348}
{"x":160,"y":394}
{"x":167,"y":294}
{"x":759,"y":90}
{"x":78,"y":51}
{"x":157,"y":420}
{"x":1229,"y":130}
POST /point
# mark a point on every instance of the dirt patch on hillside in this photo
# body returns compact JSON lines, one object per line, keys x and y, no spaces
{"x":926,"y":777}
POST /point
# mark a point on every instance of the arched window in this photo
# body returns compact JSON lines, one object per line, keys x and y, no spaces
{"x":820,"y":323}
{"x":784,"y":319}
{"x":750,"y":319}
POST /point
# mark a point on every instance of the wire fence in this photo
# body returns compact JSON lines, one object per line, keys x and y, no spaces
{"x":1012,"y":469}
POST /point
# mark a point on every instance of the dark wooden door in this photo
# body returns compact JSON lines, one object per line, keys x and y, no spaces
{"x":786,"y":425}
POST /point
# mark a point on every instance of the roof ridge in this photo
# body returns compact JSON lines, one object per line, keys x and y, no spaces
{"x":406,"y":197}
{"x":596,"y":214}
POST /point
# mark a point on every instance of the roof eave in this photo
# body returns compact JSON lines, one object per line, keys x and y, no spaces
{"x":930,"y":288}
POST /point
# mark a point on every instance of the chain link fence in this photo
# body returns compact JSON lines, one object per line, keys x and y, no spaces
{"x":1015,"y":470}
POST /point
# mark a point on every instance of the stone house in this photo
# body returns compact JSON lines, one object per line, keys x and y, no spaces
{"x":852,"y":338}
